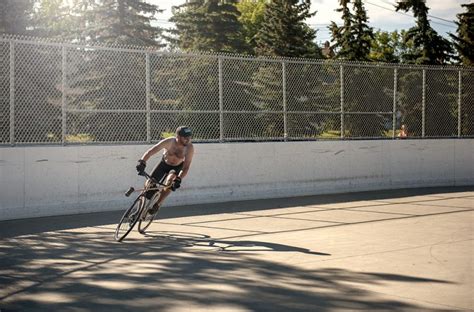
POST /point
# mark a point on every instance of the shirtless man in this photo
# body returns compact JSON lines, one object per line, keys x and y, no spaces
{"x":177,"y":156}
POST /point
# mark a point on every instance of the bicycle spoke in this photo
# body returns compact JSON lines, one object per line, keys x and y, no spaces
{"x":128,"y":220}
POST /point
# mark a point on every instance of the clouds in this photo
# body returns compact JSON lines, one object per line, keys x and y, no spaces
{"x":381,"y":14}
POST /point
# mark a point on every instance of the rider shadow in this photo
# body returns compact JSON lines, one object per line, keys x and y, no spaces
{"x":205,"y":241}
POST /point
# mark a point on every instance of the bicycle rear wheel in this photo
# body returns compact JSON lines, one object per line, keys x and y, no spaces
{"x":129,"y":219}
{"x":148,"y":217}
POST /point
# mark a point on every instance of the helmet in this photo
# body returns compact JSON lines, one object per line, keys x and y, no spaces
{"x":184,"y":131}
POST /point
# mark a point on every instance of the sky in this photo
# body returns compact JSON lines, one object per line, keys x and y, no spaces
{"x":380,"y":12}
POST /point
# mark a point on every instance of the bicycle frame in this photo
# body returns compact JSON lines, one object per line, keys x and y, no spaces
{"x":161,"y":187}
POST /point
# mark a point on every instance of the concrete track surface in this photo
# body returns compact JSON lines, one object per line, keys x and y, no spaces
{"x":401,"y":250}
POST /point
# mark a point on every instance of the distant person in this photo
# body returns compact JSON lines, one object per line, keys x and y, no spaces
{"x":177,"y":156}
{"x":403,"y":132}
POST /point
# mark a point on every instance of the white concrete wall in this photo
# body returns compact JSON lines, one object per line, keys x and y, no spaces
{"x":45,"y":180}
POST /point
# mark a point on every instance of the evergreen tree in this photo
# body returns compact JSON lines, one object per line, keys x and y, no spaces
{"x":343,"y":36}
{"x":107,"y":79}
{"x":353,"y":42}
{"x":211,"y":25}
{"x":464,"y":40}
{"x":53,"y":19}
{"x":126,"y":22}
{"x":251,"y":17}
{"x":464,"y":43}
{"x":352,"y":39}
{"x":284,"y":31}
{"x":363,"y":34}
{"x":430,"y":48}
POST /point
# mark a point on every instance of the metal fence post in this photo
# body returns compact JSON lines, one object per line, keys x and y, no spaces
{"x":395,"y":86}
{"x":148,"y":96}
{"x":341,"y":73}
{"x":423,"y":105}
{"x":459,"y":103}
{"x":63,"y":94}
{"x":221,"y":101}
{"x":12,"y":93}
{"x":285,"y":115}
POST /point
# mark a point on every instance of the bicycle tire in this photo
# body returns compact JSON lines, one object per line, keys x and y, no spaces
{"x":145,"y":223}
{"x":134,"y":211}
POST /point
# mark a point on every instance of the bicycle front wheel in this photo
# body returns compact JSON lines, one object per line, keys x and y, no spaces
{"x":129,"y":219}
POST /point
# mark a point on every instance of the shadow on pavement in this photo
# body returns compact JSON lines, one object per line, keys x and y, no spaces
{"x":74,"y":270}
{"x":13,"y":228}
{"x":190,"y":240}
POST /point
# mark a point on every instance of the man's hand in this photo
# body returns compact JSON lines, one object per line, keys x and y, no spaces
{"x":141,"y":165}
{"x":176,"y":184}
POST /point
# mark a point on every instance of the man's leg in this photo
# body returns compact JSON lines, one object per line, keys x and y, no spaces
{"x":169,"y":179}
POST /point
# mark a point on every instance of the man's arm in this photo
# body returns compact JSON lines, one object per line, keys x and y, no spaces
{"x":156,"y":148}
{"x":187,"y":162}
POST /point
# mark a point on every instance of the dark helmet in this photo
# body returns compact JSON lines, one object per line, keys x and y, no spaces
{"x":184,"y":131}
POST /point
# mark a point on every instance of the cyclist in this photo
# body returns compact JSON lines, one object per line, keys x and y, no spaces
{"x":177,"y":156}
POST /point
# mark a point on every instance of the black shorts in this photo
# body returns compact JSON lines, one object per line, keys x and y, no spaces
{"x":161,"y":170}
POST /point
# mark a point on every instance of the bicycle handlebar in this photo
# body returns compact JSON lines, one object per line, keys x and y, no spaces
{"x":146,"y":175}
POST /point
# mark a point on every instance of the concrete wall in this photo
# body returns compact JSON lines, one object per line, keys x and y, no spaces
{"x":45,"y":180}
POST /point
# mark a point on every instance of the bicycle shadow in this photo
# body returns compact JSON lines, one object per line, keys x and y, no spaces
{"x":223,"y":245}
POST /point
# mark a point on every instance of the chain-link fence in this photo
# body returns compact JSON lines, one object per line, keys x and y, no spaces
{"x":63,"y":94}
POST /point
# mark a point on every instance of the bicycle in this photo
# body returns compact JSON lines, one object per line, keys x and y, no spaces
{"x":139,"y":211}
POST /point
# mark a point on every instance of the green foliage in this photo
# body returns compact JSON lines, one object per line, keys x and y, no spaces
{"x":352,"y":39}
{"x":123,"y":22}
{"x":464,"y":40}
{"x":429,"y":47}
{"x":409,"y":100}
{"x":467,"y":103}
{"x":368,"y":90}
{"x":251,"y":16}
{"x":390,"y":47}
{"x":80,"y":138}
{"x":284,"y":32}
{"x":37,"y":93}
{"x":385,"y":47}
{"x":53,"y":19}
{"x":211,"y":25}
{"x":343,"y":35}
{"x":441,"y":103}
{"x":185,"y":84}
{"x":363,"y":34}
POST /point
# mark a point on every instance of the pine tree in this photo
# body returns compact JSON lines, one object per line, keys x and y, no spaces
{"x":284,"y":31}
{"x":343,"y":36}
{"x":109,"y":79}
{"x":430,"y":48}
{"x":363,"y":34}
{"x":464,"y":43}
{"x":352,"y":39}
{"x":53,"y":19}
{"x":211,"y":25}
{"x":464,"y":40}
{"x":251,"y":17}
{"x":126,"y":22}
